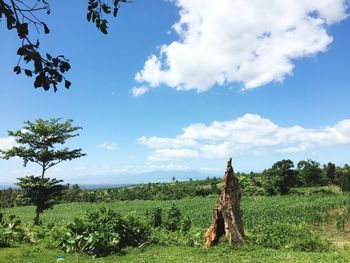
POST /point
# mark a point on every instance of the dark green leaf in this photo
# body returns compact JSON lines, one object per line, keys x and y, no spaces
{"x":17,"y":69}
{"x":22,"y":30}
{"x":46,"y":29}
{"x":28,"y":72}
{"x":67,"y":84}
{"x":88,"y":16}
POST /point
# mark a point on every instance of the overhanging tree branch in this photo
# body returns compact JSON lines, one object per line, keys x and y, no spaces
{"x":49,"y":71}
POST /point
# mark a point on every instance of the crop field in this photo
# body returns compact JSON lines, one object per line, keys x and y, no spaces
{"x":265,"y":219}
{"x":256,"y":210}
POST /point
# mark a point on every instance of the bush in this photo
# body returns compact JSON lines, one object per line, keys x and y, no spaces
{"x":11,"y":232}
{"x":173,"y":219}
{"x":254,"y":191}
{"x":103,"y":232}
{"x":154,"y":217}
{"x":186,"y":224}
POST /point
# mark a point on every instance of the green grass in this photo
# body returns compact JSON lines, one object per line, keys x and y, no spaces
{"x":221,"y":253}
{"x":282,"y":209}
{"x":256,"y":210}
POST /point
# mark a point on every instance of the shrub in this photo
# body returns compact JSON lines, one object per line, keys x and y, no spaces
{"x":186,"y":224}
{"x":253,"y":190}
{"x":103,"y":232}
{"x":173,"y":218}
{"x":155,"y":217}
{"x":11,"y":232}
{"x":195,"y":236}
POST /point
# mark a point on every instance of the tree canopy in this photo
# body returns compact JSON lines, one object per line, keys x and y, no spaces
{"x":36,"y":142}
{"x":24,"y":16}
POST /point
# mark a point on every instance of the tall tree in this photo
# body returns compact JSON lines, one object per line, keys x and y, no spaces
{"x":24,"y":16}
{"x":330,"y":172}
{"x":343,"y":176}
{"x":37,"y":143}
{"x":311,"y":173}
{"x":280,"y":177}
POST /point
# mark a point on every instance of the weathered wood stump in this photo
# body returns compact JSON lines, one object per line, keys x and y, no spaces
{"x":226,"y":216}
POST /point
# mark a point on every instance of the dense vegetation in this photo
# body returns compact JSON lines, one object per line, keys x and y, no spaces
{"x":297,"y":209}
{"x":281,"y":178}
{"x":287,"y":223}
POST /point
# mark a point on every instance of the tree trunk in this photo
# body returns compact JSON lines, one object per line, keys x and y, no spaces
{"x":226,"y":216}
{"x":37,"y":217}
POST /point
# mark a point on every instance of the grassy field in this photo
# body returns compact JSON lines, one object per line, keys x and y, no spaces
{"x":317,"y":212}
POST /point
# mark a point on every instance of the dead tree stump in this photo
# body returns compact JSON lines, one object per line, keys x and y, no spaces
{"x":226,"y":216}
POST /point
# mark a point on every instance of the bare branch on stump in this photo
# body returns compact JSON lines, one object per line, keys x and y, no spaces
{"x":226,"y":216}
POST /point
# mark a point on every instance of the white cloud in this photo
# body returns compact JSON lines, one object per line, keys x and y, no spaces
{"x":108,"y":146}
{"x":249,"y":134}
{"x":252,"y":42}
{"x":139,"y":91}
{"x":158,"y":142}
{"x":7,"y":143}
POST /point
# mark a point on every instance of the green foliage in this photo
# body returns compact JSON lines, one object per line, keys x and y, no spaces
{"x":103,"y":232}
{"x":330,"y":172}
{"x":173,"y":218}
{"x":311,"y":173}
{"x":253,"y":190}
{"x":97,"y":9}
{"x":320,"y":190}
{"x":9,"y":198}
{"x":172,"y":221}
{"x":11,"y":231}
{"x":155,"y":217}
{"x":186,"y":224}
{"x":310,"y":243}
{"x":37,"y":143}
{"x":25,"y":17}
{"x":42,"y":192}
{"x":343,"y":176}
{"x":280,"y":178}
{"x":278,"y":221}
{"x":279,"y":235}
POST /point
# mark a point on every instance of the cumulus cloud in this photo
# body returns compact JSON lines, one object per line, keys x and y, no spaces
{"x":108,"y":146}
{"x":7,"y":143}
{"x":139,"y":91}
{"x":249,"y":134}
{"x":252,"y":42}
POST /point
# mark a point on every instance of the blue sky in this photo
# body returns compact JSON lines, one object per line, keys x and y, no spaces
{"x":216,"y":85}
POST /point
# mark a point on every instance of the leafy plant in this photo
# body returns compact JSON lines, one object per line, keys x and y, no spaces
{"x":155,"y":216}
{"x":10,"y":232}
{"x":103,"y":232}
{"x":173,"y":218}
{"x":279,"y":235}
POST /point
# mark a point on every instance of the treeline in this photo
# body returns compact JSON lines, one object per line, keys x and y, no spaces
{"x":284,"y":175}
{"x":279,"y":179}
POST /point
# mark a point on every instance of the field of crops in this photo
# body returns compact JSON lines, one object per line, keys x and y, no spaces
{"x":258,"y":213}
{"x":256,"y":210}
